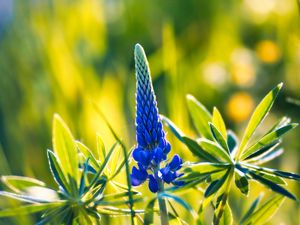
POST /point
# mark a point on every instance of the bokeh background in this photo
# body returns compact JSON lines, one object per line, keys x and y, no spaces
{"x":62,"y":55}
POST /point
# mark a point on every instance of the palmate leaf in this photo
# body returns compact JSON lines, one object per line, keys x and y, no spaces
{"x":258,"y":116}
{"x":200,"y":116}
{"x":268,"y":139}
{"x":19,"y":184}
{"x":65,"y":148}
{"x":265,"y":212}
{"x":28,"y":209}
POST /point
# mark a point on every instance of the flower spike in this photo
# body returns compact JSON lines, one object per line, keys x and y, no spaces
{"x":152,"y":147}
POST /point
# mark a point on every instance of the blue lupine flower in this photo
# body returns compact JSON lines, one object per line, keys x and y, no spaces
{"x":152,"y":147}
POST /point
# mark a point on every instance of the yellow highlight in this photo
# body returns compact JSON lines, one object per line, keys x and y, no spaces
{"x":239,"y":106}
{"x":268,"y":51}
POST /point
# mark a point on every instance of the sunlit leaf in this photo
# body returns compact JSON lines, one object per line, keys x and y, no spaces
{"x":258,"y":116}
{"x":241,"y":182}
{"x":226,"y":218}
{"x":200,"y":116}
{"x":216,"y":185}
{"x":214,"y":149}
{"x":19,"y":184}
{"x":56,"y":171}
{"x":197,"y":150}
{"x":267,"y":139}
{"x":219,"y":123}
{"x":265,"y":212}
{"x":28,"y":209}
{"x":219,"y":137}
{"x":65,"y":149}
{"x":252,"y":208}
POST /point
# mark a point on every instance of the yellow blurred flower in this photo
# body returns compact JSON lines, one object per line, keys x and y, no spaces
{"x":242,"y":69}
{"x":239,"y":106}
{"x":268,"y":51}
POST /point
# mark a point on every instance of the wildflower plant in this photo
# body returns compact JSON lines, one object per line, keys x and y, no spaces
{"x":81,"y":178}
{"x":228,"y":161}
{"x":151,"y":152}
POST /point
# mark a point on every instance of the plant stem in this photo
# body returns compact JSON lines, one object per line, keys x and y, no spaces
{"x":163,"y":211}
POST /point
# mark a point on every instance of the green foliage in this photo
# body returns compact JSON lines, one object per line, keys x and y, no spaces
{"x":228,"y":161}
{"x":81,"y":197}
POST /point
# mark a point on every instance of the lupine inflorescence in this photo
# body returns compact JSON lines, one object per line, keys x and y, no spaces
{"x":152,"y":147}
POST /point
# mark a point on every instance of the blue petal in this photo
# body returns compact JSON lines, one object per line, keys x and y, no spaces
{"x":153,"y":184}
{"x":167,"y":175}
{"x":136,"y":154}
{"x":158,"y":155}
{"x":175,"y":163}
{"x":138,"y":176}
{"x":146,"y":157}
{"x":167,"y":149}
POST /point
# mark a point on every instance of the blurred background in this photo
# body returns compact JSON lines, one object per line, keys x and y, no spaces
{"x":62,"y":55}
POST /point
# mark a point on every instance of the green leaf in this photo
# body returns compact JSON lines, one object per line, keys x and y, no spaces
{"x":219,"y":137}
{"x":56,"y":171}
{"x":65,"y":149}
{"x":251,"y":208}
{"x":200,"y":116}
{"x":24,"y":197}
{"x":176,"y":131}
{"x":219,"y":123}
{"x":87,"y":154}
{"x":226,"y":218}
{"x":196,"y":149}
{"x":258,"y":116}
{"x":216,"y":185}
{"x":280,"y":173}
{"x":206,"y":167}
{"x":214,"y":149}
{"x":232,"y":142}
{"x":268,"y":139}
{"x":179,"y":201}
{"x":28,"y":209}
{"x":265,"y":212}
{"x":266,"y":157}
{"x":273,"y":186}
{"x":101,"y":152}
{"x":19,"y":184}
{"x":241,"y":182}
{"x":149,"y":212}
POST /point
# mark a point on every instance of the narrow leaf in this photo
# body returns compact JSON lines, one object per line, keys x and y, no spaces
{"x":200,"y":116}
{"x":265,"y":212}
{"x":214,"y":149}
{"x":267,"y":139}
{"x":28,"y":209}
{"x":219,"y":123}
{"x":258,"y":116}
{"x":65,"y":149}
{"x":219,"y":137}
{"x":19,"y":184}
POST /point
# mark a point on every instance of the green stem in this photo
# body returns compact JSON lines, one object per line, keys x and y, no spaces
{"x":162,"y":202}
{"x":163,"y":211}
